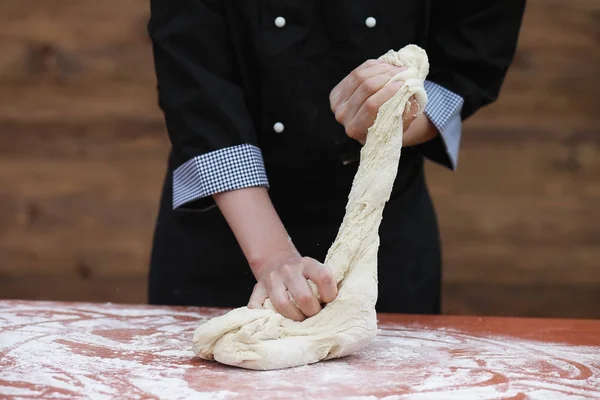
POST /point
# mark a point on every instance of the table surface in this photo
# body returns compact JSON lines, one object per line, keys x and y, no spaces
{"x":84,"y":350}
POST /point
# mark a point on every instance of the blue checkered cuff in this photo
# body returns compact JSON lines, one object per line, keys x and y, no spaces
{"x":231,"y":168}
{"x":443,"y":109}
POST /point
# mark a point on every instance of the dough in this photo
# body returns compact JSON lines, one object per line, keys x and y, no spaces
{"x":262,"y":339}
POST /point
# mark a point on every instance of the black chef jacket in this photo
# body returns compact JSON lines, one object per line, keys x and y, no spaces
{"x":244,"y":86}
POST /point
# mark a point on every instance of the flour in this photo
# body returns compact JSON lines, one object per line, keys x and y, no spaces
{"x":262,"y":338}
{"x":105,"y":352}
{"x":96,"y":354}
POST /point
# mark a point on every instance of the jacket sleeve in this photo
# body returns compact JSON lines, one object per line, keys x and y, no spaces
{"x":199,"y":91}
{"x":471,"y":44}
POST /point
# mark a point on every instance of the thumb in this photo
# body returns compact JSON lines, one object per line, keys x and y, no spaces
{"x":411,"y":112}
{"x":258,"y":297}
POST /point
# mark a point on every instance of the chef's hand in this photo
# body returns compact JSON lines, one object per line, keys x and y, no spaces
{"x":276,"y":279}
{"x":357,"y":98}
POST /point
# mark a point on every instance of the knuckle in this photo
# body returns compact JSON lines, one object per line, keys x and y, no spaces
{"x":370,"y":62}
{"x":325,"y":277}
{"x":371,"y":105}
{"x":333,"y":99}
{"x":351,"y":132}
{"x":303,"y":298}
{"x":340,"y":114}
{"x":257,"y":287}
{"x":254,"y":302}
{"x":370,"y":86}
{"x":286,"y":270}
{"x":278,"y":302}
{"x":289,"y":267}
{"x":358,"y":75}
{"x":332,"y":93}
{"x":273,"y":277}
{"x":362,"y":76}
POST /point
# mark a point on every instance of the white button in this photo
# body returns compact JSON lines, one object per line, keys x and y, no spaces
{"x":278,"y":127}
{"x":280,"y":22}
{"x":370,"y":22}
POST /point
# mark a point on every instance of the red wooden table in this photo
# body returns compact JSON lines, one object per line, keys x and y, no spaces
{"x":82,"y":350}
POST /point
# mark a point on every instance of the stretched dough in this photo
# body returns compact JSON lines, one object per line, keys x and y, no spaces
{"x":263,"y":339}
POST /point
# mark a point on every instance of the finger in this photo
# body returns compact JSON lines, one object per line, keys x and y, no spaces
{"x":411,"y":113}
{"x":351,"y":83}
{"x":322,"y":277}
{"x":366,"y":115}
{"x":365,"y":90}
{"x":281,"y":301}
{"x":303,"y":296}
{"x":258,"y":297}
{"x":342,"y":92}
{"x":339,"y":89}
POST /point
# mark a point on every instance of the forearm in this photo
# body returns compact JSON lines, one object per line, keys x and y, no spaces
{"x":256,"y":226}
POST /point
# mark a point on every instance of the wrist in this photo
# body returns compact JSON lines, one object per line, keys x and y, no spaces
{"x":263,"y":261}
{"x":421,"y":130}
{"x":257,"y":227}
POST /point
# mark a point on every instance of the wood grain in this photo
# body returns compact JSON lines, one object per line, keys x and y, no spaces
{"x":75,"y":60}
{"x":105,"y":54}
{"x":519,"y":218}
{"x":133,"y":351}
{"x":69,"y":288}
{"x":96,"y":140}
{"x":484,"y":225}
{"x":551,"y":301}
{"x":542,"y":162}
{"x":553,"y":78}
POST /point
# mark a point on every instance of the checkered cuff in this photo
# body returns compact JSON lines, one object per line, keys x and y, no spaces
{"x":221,"y":170}
{"x":443,"y":109}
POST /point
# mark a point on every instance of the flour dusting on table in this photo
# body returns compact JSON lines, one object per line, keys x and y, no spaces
{"x":54,"y":350}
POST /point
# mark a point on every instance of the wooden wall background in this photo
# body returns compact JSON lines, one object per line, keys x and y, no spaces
{"x":520,"y":219}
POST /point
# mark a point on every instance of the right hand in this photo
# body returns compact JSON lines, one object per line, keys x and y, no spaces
{"x":356,"y":100}
{"x":276,"y":280}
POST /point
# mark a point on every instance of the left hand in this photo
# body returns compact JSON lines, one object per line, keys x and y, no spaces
{"x":356,"y":100}
{"x":285,"y":282}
